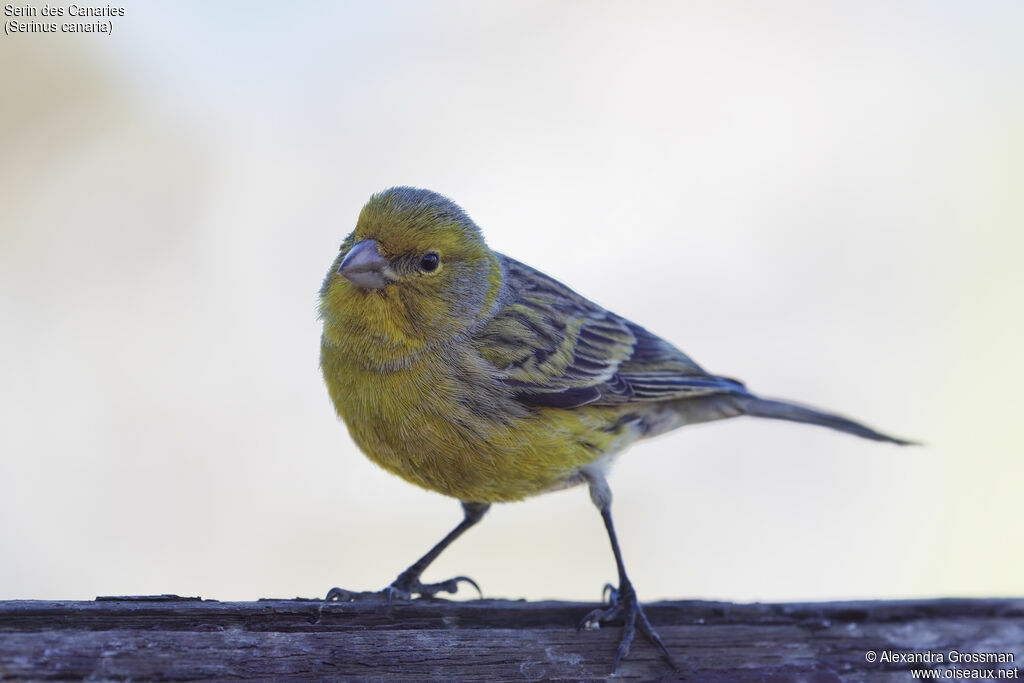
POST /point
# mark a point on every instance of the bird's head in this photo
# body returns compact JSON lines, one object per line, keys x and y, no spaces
{"x":415,"y":272}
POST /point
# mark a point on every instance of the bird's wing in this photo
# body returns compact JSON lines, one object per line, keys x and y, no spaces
{"x":557,"y":349}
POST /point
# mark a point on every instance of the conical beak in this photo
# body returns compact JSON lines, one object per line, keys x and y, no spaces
{"x":364,"y":267}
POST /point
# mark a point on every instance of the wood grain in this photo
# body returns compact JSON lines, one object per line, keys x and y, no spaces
{"x":173,"y":638}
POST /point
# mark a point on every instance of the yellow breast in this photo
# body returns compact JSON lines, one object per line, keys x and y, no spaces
{"x":438,"y":424}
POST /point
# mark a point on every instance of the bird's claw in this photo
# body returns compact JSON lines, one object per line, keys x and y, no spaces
{"x":403,"y":589}
{"x":622,"y":602}
{"x":341,"y":595}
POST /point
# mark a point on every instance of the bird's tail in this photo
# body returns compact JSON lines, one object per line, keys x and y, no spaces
{"x":738,"y":401}
{"x":783,"y":410}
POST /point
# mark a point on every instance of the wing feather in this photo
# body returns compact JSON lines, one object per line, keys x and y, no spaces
{"x":557,"y":349}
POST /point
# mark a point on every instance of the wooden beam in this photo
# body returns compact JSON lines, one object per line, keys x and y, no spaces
{"x":187,"y":638}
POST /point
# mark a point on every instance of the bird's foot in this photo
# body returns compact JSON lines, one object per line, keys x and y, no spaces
{"x":622,"y":602}
{"x":343,"y":595}
{"x":403,"y":588}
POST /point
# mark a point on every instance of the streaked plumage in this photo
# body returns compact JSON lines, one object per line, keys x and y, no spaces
{"x":498,"y":382}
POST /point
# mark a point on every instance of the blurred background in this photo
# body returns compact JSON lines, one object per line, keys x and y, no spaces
{"x":823,"y":199}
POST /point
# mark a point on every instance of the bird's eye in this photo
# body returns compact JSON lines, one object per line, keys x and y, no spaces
{"x":430,"y":262}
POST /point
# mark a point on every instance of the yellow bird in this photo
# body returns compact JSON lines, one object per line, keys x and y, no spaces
{"x":469,"y":373}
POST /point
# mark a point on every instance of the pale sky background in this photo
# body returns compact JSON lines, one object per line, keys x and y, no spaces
{"x":825,"y":200}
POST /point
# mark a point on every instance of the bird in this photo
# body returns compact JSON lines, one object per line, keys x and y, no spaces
{"x":469,"y":373}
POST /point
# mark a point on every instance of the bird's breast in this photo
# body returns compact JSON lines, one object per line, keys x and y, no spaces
{"x":446,"y":424}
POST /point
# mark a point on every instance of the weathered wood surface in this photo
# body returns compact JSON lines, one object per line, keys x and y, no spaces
{"x":491,"y":640}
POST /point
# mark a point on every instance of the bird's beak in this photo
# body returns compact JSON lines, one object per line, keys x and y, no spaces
{"x":364,"y":267}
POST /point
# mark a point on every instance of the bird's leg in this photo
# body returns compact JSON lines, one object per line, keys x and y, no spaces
{"x":408,"y":582}
{"x":622,"y":601}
